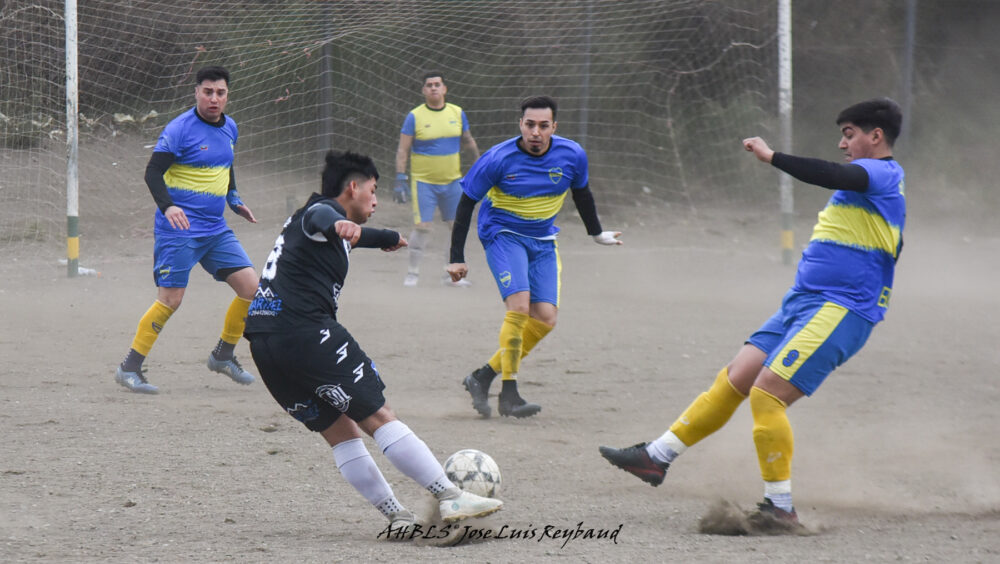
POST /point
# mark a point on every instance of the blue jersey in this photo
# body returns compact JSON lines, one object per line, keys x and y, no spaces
{"x":198,"y":179}
{"x":851,"y":257}
{"x":521,"y":192}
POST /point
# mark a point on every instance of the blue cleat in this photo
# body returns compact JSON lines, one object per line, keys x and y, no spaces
{"x":135,"y":382}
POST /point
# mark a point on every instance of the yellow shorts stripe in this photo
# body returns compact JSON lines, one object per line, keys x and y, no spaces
{"x":808,"y":339}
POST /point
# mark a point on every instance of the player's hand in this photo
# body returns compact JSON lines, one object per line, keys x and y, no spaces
{"x":759,"y":148}
{"x":348,"y":230}
{"x":402,"y":243}
{"x":401,"y":190}
{"x":177,"y":218}
{"x":243,"y":211}
{"x":609,"y":238}
{"x":457,"y":270}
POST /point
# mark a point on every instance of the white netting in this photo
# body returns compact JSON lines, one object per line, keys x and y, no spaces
{"x":658,"y":92}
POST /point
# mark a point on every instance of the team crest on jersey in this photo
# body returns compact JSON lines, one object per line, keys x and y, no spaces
{"x":555,"y":175}
{"x":505,"y":279}
{"x":335,"y":395}
{"x":164,"y":271}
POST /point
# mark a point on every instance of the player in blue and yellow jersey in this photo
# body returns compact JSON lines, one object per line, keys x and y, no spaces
{"x":191,"y":178}
{"x":432,"y":137}
{"x":522,"y":183}
{"x":841,"y":290}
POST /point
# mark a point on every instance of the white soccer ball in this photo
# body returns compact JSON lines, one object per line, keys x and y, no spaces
{"x":474,"y":471}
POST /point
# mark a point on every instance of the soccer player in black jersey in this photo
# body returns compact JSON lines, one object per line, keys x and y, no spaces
{"x":313,"y":366}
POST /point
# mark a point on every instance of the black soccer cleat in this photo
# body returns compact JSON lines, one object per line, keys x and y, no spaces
{"x":768,"y":515}
{"x":479,"y":391}
{"x":514,"y":405}
{"x":636,"y":461}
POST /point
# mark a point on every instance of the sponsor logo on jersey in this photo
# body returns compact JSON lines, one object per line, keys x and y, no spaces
{"x":335,"y":396}
{"x":204,"y":147}
{"x":265,"y":303}
{"x":555,"y":175}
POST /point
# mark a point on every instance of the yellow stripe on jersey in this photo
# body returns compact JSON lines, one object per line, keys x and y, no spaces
{"x":535,"y":207}
{"x":436,"y":169}
{"x":210,"y":180}
{"x":808,"y":339}
{"x":856,"y":227}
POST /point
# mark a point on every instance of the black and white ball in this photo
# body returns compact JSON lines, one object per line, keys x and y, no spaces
{"x":474,"y":471}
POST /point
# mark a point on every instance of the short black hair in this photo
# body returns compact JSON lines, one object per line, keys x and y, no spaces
{"x":343,"y":167}
{"x":883,"y":113}
{"x":539,"y":102}
{"x":432,"y":74}
{"x":212,"y":73}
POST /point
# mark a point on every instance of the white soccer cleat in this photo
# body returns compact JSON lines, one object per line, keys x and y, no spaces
{"x":411,"y":280}
{"x":400,"y":525}
{"x":466,"y":506}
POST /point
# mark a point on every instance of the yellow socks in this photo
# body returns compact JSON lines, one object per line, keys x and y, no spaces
{"x":772,"y":434}
{"x":709,"y":411}
{"x":534,"y":331}
{"x":149,"y":327}
{"x":236,"y":320}
{"x":511,"y":343}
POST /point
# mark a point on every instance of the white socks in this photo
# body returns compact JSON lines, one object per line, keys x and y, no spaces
{"x":411,"y":456}
{"x":780,"y":494}
{"x":416,"y":243}
{"x":666,"y":448}
{"x":358,"y":468}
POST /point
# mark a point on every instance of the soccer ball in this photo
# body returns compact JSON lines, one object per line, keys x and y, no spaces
{"x":474,"y":471}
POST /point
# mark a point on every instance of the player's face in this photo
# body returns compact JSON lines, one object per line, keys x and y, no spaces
{"x":537,"y":127}
{"x":856,"y":144}
{"x":434,"y":91}
{"x":211,"y":97}
{"x":363,"y":201}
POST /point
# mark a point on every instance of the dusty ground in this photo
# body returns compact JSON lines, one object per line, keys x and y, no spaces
{"x":896,"y":456}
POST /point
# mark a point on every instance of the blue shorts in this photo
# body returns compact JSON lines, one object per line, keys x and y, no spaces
{"x":428,"y":197}
{"x":523,"y":264}
{"x":173,"y":257}
{"x":808,"y":338}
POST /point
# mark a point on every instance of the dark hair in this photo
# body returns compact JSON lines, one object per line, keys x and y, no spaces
{"x":432,"y":74}
{"x":212,"y":73}
{"x":343,"y":167}
{"x":883,"y":113}
{"x":539,"y":102}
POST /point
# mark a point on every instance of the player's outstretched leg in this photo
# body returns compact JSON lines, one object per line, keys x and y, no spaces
{"x":636,"y":461}
{"x":478,"y":385}
{"x":512,"y":404}
{"x":411,"y":456}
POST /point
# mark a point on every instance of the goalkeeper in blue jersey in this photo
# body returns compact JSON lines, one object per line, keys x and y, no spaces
{"x":522,"y":183}
{"x":841,"y":290}
{"x":191,"y":179}
{"x":431,"y":139}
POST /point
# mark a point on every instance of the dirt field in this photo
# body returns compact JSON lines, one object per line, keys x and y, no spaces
{"x":896,"y":456}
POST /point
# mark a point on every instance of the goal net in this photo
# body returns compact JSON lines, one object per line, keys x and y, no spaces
{"x":659,"y":93}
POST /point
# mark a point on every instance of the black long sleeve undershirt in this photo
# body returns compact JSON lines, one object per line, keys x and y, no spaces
{"x":584,"y":200}
{"x":155,"y":169}
{"x":460,"y":228}
{"x":323,"y":219}
{"x":825,"y":174}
